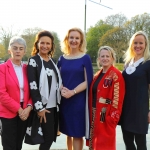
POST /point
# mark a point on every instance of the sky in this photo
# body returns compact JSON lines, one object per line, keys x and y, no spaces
{"x":61,"y":15}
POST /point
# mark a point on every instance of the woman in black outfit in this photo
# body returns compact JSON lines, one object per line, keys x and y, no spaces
{"x":135,"y":114}
{"x":45,"y":82}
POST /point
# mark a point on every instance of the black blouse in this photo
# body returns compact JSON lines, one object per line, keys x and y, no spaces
{"x":34,"y":70}
{"x":94,"y":89}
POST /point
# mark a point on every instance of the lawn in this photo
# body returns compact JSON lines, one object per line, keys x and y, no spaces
{"x":117,"y":65}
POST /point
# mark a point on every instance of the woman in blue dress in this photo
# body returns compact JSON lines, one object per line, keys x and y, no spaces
{"x":77,"y":73}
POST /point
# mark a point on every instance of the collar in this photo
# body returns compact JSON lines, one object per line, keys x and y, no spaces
{"x":135,"y":64}
{"x":14,"y":65}
{"x":132,"y":65}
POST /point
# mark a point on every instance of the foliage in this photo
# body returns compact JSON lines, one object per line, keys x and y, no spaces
{"x":5,"y":36}
{"x":93,"y":37}
{"x":95,"y":67}
{"x":29,"y":35}
{"x":117,"y":20}
{"x":115,"y":31}
{"x":2,"y":52}
{"x":115,"y":38}
{"x":119,"y":66}
{"x":137,"y":23}
{"x":58,"y":52}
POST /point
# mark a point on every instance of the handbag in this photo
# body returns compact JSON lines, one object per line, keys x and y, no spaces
{"x":34,"y":134}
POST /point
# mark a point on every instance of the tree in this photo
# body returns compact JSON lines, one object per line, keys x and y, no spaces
{"x":117,"y":20}
{"x":137,"y":23}
{"x":5,"y":36}
{"x":116,"y":32}
{"x":93,"y":37}
{"x":117,"y":39}
{"x":29,"y":35}
{"x":2,"y":52}
{"x":57,"y":52}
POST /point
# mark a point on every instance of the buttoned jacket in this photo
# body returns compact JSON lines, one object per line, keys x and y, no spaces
{"x":10,"y":90}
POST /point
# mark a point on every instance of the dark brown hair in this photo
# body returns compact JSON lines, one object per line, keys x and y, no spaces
{"x":35,"y":49}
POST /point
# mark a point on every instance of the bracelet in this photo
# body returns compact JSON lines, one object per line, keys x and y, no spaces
{"x":74,"y":91}
{"x":30,"y":106}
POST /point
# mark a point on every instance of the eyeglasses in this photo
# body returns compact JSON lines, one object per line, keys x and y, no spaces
{"x":15,"y":48}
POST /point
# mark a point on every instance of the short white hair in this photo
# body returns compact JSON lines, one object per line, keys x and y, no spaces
{"x":17,"y":39}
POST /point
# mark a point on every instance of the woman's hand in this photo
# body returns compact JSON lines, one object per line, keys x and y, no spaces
{"x":20,"y":111}
{"x":67,"y":93}
{"x":42,"y":115}
{"x":25,"y":113}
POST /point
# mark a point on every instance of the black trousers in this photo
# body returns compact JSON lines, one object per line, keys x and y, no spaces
{"x":130,"y":139}
{"x":13,"y":131}
{"x":49,"y":129}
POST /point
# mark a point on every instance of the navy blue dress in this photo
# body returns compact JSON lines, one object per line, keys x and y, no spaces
{"x":134,"y":116}
{"x":72,"y":110}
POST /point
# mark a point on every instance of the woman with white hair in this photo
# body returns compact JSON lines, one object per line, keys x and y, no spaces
{"x":134,"y":119}
{"x":15,"y":102}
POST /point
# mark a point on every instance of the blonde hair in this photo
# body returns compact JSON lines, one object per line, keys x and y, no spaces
{"x":110,"y":50}
{"x":130,"y":52}
{"x":65,"y":45}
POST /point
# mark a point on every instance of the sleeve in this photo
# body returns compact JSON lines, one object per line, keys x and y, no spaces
{"x":5,"y":98}
{"x":33,"y":84}
{"x":89,"y":70}
{"x":148,"y":79}
{"x":30,"y":102}
{"x":118,"y":97}
{"x":59,"y":62}
{"x":89,"y":77}
{"x":148,"y":73}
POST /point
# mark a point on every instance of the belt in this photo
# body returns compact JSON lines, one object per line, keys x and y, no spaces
{"x":104,"y":101}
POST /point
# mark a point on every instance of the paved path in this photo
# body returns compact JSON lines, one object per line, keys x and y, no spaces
{"x":61,"y":142}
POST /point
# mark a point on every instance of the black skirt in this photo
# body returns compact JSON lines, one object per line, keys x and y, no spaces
{"x":37,"y":132}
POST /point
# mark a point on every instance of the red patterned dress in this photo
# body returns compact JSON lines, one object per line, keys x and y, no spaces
{"x":105,"y":114}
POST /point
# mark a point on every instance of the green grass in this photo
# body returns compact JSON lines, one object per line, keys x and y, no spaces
{"x":119,"y":66}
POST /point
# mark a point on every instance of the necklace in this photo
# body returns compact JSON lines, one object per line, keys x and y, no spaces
{"x":74,"y":57}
